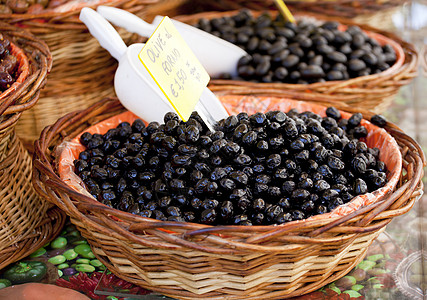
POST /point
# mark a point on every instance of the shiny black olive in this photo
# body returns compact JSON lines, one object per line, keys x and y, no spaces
{"x":359,"y":186}
{"x":355,"y":119}
{"x":273,"y":211}
{"x":208,"y":216}
{"x":283,"y":217}
{"x":378,"y":120}
{"x":300,"y":195}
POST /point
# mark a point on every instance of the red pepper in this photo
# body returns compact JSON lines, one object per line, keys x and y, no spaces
{"x":82,"y":282}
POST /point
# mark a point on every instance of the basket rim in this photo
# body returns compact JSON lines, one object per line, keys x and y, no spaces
{"x":25,"y":93}
{"x":51,"y":13}
{"x":68,"y":20}
{"x":139,"y":225}
{"x":383,"y":36}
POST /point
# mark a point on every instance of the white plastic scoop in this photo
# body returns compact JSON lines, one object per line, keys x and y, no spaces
{"x":215,"y":54}
{"x":134,"y":86}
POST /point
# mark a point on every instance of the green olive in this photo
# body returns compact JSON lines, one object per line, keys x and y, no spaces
{"x":85,"y":268}
{"x":84,"y":250}
{"x":70,"y":254}
{"x":80,"y":242}
{"x":63,"y":266}
{"x":83,"y":261}
{"x":57,"y":260}
{"x":96,"y":263}
{"x":38,"y":252}
{"x":59,"y":242}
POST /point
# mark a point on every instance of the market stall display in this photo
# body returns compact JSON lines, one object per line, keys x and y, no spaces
{"x":368,"y":88}
{"x":28,"y":221}
{"x":179,"y":258}
{"x":82,"y":71}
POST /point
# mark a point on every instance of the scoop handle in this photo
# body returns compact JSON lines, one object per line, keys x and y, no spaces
{"x":127,"y":20}
{"x":104,"y":32}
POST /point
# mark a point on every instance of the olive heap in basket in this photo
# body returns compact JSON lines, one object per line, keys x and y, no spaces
{"x":301,"y":53}
{"x":255,"y":169}
{"x":8,"y":64}
{"x":28,"y":6}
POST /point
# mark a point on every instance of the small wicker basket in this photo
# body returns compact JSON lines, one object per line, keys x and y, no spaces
{"x":82,"y":70}
{"x":187,"y":260}
{"x":28,"y":221}
{"x":373,"y":92}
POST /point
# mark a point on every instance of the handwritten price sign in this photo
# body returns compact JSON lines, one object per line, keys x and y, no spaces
{"x":174,"y":68}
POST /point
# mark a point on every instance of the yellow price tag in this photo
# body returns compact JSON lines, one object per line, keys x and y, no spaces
{"x":174,"y":68}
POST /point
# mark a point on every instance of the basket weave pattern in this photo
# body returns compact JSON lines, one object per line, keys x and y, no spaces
{"x":82,"y":70}
{"x":27,"y":220}
{"x":374,"y":92}
{"x":340,"y":8}
{"x":187,"y":260}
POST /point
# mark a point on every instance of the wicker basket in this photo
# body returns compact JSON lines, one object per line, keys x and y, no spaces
{"x":27,"y":221}
{"x":188,"y":261}
{"x":82,"y":70}
{"x":374,"y":92}
{"x":339,"y":8}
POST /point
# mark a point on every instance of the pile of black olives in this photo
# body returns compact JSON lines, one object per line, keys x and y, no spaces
{"x":255,"y":169}
{"x":8,"y":64}
{"x":300,"y":53}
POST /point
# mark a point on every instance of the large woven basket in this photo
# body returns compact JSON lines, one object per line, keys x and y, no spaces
{"x":27,"y":221}
{"x":374,"y":92}
{"x":187,"y":260}
{"x":82,"y":70}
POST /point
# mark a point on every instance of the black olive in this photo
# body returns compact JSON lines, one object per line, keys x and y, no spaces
{"x":290,"y":61}
{"x":329,"y":195}
{"x":283,"y":217}
{"x":208,"y":216}
{"x":355,"y":119}
{"x":300,"y":195}
{"x":325,"y":49}
{"x":334,"y":113}
{"x":312,"y":71}
{"x":335,"y":163}
{"x":381,"y":167}
{"x":360,"y":131}
{"x":258,"y":218}
{"x":278,"y":57}
{"x":325,"y":171}
{"x":273,"y":211}
{"x":359,"y":186}
{"x":340,"y":179}
{"x":358,"y":165}
{"x":369,"y":58}
{"x":321,"y":185}
{"x":379,"y":120}
{"x":165,"y":201}
{"x":337,"y":57}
